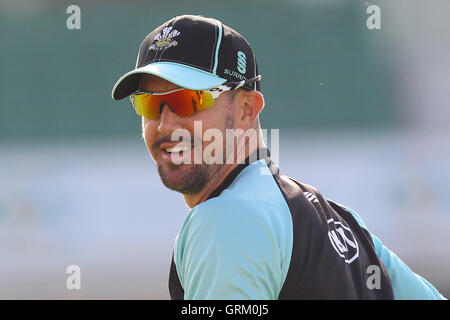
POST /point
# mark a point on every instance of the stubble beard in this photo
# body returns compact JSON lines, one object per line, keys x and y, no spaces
{"x":198,"y":175}
{"x":193,"y":181}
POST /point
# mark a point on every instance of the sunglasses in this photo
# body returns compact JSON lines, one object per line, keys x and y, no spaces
{"x":183,"y":102}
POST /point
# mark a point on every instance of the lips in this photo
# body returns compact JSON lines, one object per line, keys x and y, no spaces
{"x":175,"y":151}
{"x":178,"y":148}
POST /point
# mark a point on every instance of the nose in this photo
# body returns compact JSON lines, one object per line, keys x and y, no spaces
{"x":162,"y":105}
{"x":168,"y":120}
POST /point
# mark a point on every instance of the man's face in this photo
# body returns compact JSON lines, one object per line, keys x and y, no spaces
{"x":187,"y":178}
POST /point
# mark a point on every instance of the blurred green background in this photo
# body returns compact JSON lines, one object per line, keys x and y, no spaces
{"x":363,"y":116}
{"x":318,"y":61}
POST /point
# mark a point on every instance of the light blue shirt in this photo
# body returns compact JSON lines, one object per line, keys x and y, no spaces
{"x":238,"y":245}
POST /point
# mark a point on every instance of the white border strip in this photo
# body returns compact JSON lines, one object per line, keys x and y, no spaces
{"x":219,"y":41}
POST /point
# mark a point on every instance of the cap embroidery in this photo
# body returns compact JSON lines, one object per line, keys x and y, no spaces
{"x":164,"y":39}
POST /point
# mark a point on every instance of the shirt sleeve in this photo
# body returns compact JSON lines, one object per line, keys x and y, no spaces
{"x":406,"y":284}
{"x":232,"y":251}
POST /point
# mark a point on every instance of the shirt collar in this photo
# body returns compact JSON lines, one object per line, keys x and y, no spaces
{"x":261,"y":153}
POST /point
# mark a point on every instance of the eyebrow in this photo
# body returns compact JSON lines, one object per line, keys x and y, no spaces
{"x":161,"y":92}
{"x":142,"y":87}
{"x":145,"y":88}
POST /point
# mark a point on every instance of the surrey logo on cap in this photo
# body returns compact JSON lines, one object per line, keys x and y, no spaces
{"x":164,"y":39}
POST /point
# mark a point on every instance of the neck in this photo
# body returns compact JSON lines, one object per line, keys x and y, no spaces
{"x":192,"y":200}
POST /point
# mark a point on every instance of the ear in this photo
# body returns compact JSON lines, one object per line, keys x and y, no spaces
{"x":252,"y":104}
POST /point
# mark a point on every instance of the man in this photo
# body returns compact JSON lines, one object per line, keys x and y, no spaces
{"x":251,"y":233}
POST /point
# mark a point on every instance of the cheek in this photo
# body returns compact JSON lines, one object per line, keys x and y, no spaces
{"x":149,"y":132}
{"x":215,"y":117}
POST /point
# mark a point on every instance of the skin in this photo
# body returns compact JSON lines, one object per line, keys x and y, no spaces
{"x":237,"y":110}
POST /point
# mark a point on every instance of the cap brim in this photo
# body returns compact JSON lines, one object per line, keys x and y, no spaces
{"x":179,"y":74}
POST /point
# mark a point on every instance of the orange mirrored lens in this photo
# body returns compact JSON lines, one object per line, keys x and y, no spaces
{"x":184,"y":103}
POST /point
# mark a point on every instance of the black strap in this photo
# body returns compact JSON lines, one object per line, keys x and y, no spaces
{"x":175,"y":288}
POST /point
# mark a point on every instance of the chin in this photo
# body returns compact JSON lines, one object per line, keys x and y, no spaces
{"x":187,"y":179}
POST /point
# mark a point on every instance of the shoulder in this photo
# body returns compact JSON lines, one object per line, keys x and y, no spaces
{"x":243,"y":248}
{"x":244,"y":217}
{"x":253,"y":197}
{"x":234,"y":213}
